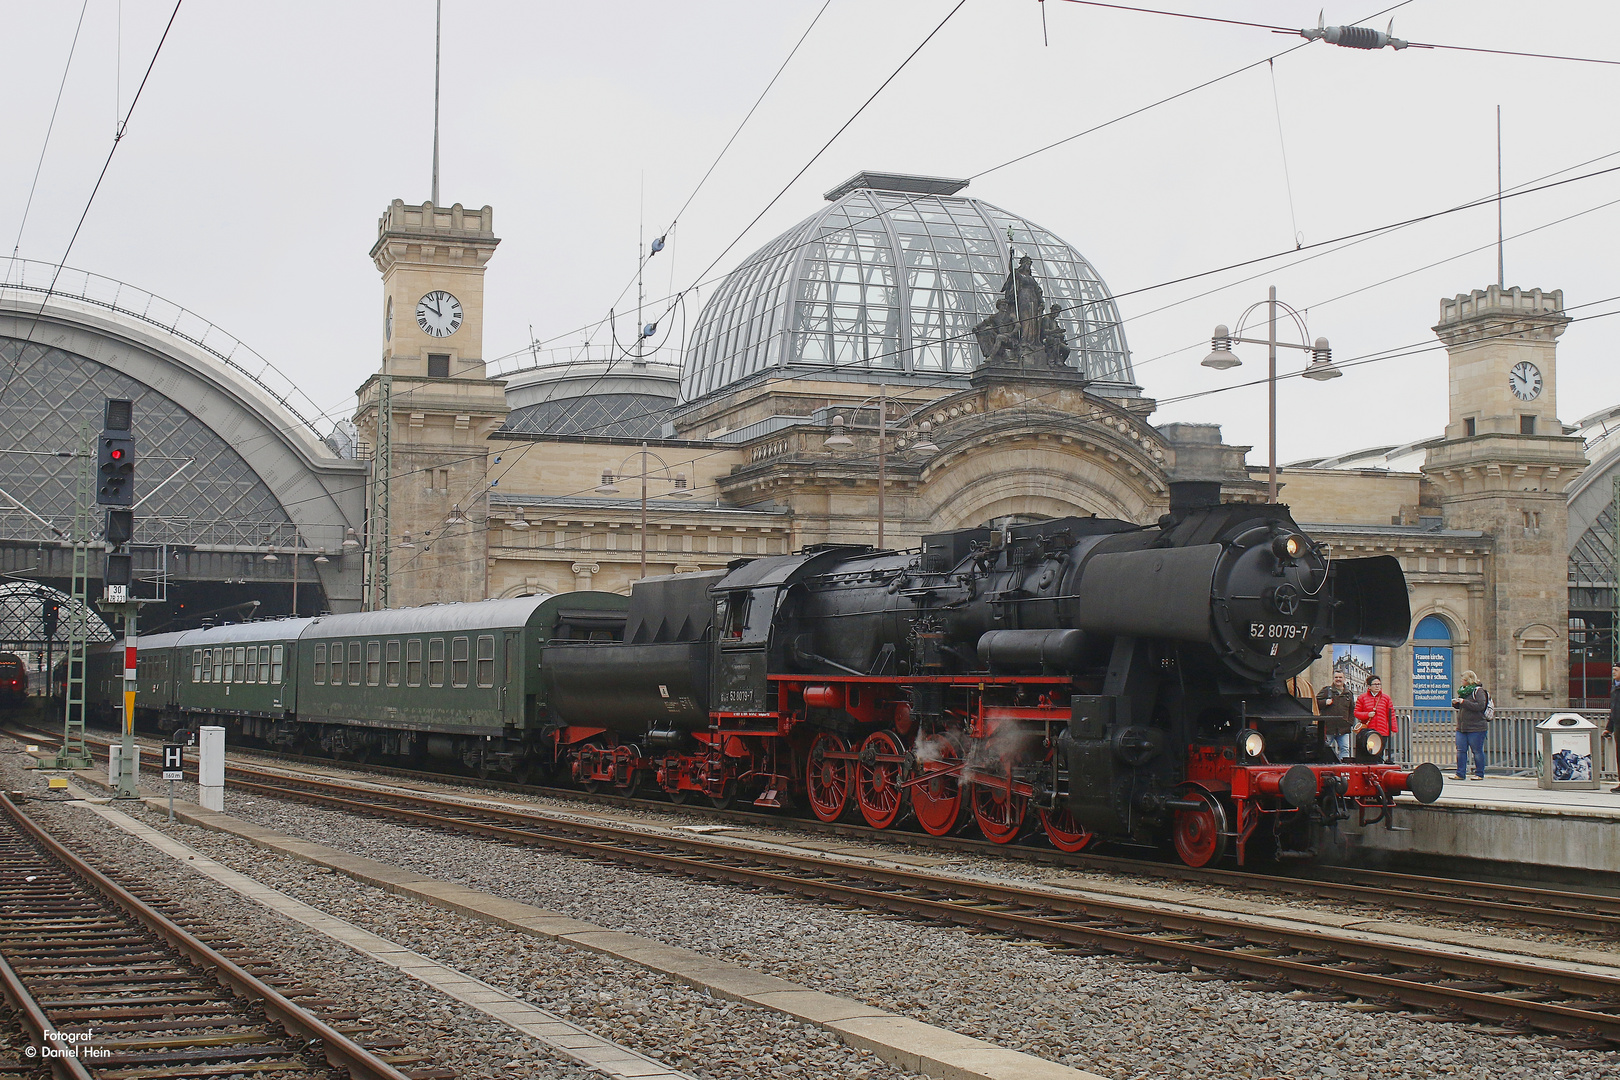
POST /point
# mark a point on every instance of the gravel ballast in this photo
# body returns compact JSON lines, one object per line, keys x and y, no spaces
{"x":1095,"y":1013}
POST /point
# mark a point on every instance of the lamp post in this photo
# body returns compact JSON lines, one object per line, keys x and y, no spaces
{"x":1320,"y":368}
{"x":680,"y":491}
{"x":839,"y":440}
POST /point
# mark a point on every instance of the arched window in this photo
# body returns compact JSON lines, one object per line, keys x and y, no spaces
{"x":1432,"y":628}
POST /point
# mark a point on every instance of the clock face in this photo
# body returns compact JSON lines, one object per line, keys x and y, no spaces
{"x":1525,"y":380}
{"x":439,"y":313}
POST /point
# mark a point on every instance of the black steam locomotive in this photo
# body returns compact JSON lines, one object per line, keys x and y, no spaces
{"x":1122,"y":681}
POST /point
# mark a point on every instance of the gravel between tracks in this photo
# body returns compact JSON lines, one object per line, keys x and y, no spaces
{"x":1096,"y":1013}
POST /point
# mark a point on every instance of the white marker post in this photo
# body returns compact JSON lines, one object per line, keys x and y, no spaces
{"x":211,"y":768}
{"x":174,"y":764}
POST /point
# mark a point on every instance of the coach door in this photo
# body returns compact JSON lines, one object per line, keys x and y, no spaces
{"x":511,"y":680}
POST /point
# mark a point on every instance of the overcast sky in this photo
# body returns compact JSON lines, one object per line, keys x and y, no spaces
{"x":271,"y":136}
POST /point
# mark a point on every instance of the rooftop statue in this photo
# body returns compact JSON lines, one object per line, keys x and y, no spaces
{"x":1022,"y":331}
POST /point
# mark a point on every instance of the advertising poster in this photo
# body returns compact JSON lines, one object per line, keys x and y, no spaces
{"x":1431,"y":677}
{"x":1356,"y":662}
{"x":1571,"y":756}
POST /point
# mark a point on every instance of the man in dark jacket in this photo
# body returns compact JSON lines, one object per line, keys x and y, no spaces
{"x":1336,"y":704}
{"x":1614,"y":712}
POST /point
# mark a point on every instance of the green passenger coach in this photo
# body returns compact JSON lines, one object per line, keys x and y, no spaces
{"x":450,"y":681}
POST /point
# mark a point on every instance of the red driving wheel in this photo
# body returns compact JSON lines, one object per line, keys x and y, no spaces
{"x":937,"y":801}
{"x":1065,"y":833}
{"x":826,"y":780}
{"x":877,"y":783}
{"x":1200,"y":835}
{"x":999,"y":811}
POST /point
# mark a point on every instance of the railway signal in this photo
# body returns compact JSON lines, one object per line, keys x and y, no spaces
{"x":115,"y":455}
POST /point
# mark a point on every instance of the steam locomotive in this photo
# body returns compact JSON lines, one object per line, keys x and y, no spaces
{"x":1085,"y":677}
{"x":1118,"y":681}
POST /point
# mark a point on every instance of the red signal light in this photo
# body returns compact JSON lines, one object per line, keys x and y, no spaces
{"x":116,"y":455}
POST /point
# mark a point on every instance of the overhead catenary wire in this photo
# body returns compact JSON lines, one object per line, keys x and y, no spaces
{"x":1276,"y":29}
{"x":49,"y":128}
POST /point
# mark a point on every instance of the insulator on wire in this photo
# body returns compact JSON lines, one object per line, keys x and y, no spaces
{"x":1354,"y":37}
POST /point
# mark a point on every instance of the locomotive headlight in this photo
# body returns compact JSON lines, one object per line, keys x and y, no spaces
{"x":1289,"y":546}
{"x":1253,"y":744}
{"x":1369,"y":743}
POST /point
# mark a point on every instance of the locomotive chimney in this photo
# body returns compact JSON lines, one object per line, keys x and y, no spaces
{"x":1194,"y":494}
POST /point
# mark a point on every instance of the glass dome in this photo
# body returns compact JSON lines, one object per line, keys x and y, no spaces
{"x":891,"y":278}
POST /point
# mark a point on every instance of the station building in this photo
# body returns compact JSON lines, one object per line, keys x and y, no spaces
{"x":833,"y":388}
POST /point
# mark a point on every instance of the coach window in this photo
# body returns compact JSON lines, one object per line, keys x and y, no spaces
{"x":276,"y":662}
{"x":320,"y":665}
{"x":486,"y":659}
{"x":219,"y":664}
{"x":336,"y":670}
{"x":354,"y":663}
{"x":373,"y":663}
{"x":458,"y":661}
{"x":230,"y":664}
{"x":436,"y":661}
{"x":252,"y":665}
{"x":413,"y":662}
{"x":393,"y":663}
{"x":196,"y":665}
{"x":241,"y":665}
{"x":264,"y":663}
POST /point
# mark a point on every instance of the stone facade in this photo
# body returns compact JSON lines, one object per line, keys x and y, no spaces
{"x":780,"y":461}
{"x":444,"y":409}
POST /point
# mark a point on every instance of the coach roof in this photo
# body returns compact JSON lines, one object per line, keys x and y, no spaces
{"x":432,"y":619}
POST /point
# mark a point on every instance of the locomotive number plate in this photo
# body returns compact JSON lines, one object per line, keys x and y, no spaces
{"x":1277,"y":631}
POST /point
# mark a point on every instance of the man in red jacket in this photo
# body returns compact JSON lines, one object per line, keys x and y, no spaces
{"x":1374,"y":709}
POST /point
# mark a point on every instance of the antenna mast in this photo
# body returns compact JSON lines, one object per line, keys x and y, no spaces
{"x":438,"y":8}
{"x":1501,"y":275}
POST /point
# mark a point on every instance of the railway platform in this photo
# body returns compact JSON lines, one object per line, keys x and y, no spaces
{"x":1506,"y":820}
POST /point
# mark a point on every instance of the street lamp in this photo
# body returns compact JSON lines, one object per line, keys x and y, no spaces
{"x":840,"y":440}
{"x":678,"y":480}
{"x":1321,"y":367}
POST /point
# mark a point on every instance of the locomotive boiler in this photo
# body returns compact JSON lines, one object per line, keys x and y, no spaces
{"x":1092,"y":678}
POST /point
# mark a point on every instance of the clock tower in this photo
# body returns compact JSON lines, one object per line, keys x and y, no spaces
{"x":428,"y":412}
{"x":1502,"y":469}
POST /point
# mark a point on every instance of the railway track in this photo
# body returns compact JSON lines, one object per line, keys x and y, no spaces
{"x":104,"y":985}
{"x":1371,"y":890}
{"x":1509,"y":995}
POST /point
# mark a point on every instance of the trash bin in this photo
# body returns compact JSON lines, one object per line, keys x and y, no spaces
{"x":1567,"y":752}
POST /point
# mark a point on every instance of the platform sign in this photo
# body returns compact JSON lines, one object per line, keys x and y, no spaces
{"x":1431,"y":677}
{"x":173,"y":761}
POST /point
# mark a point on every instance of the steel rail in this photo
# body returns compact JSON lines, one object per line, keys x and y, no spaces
{"x":337,"y":1049}
{"x":1587,"y":912}
{"x":1497,"y":990}
{"x":36,"y":1022}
